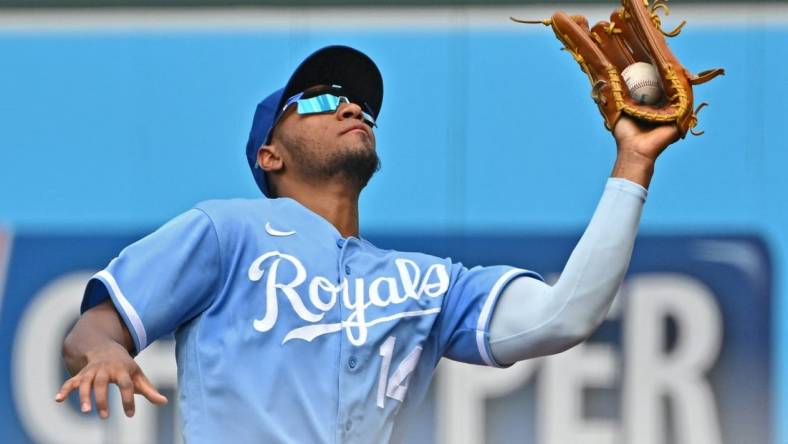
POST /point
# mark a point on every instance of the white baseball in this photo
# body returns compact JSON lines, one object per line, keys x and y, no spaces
{"x":643,"y":83}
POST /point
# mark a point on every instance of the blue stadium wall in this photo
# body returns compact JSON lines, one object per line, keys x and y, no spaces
{"x":112,"y":122}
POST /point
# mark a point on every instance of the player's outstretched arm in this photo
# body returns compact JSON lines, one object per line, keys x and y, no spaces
{"x":533,"y":318}
{"x":97,"y":353}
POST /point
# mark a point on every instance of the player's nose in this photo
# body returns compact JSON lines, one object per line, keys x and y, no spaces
{"x":350,"y":111}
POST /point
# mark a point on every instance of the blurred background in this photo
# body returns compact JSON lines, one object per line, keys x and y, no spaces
{"x":117,"y":115}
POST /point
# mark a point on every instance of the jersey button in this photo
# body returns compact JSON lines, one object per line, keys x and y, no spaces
{"x":352,"y":362}
{"x":347,"y":269}
{"x":348,"y":425}
{"x":340,"y":243}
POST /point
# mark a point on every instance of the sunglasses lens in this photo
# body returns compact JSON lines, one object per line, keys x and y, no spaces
{"x":326,"y":103}
{"x":320,"y":104}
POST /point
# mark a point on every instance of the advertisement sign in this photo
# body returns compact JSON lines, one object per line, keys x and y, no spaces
{"x":684,"y":356}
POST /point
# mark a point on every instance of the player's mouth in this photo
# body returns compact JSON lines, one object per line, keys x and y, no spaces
{"x":355,"y":129}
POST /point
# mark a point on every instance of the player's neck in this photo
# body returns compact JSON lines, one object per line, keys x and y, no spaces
{"x":333,"y":202}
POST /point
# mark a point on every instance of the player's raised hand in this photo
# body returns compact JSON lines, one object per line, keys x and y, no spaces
{"x":638,"y":146}
{"x":644,"y":140}
{"x":112,"y":364}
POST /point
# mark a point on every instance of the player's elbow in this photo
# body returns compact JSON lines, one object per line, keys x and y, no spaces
{"x":557,"y":337}
{"x":567,"y":333}
{"x":551,"y":338}
{"x":577,"y":321}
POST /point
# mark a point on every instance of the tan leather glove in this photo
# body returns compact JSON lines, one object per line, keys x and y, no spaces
{"x":634,"y":34}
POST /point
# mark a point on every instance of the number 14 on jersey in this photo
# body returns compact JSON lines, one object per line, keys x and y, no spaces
{"x":396,"y":385}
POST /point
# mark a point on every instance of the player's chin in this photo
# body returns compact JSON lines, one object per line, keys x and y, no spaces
{"x":360,"y":138}
{"x":361,"y":144}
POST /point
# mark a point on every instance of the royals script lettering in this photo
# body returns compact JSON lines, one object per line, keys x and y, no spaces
{"x":323,"y":295}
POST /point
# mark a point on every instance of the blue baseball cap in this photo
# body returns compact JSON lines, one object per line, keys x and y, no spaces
{"x":332,"y":65}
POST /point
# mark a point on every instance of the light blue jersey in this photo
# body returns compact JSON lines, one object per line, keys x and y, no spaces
{"x":289,"y":333}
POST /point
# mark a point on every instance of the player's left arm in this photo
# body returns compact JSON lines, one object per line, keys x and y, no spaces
{"x":532,"y":318}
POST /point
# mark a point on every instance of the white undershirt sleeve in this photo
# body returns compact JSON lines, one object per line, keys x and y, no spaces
{"x":532,"y":318}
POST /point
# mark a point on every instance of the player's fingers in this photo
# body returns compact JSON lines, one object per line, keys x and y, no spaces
{"x":126,"y":388}
{"x":667,"y":134}
{"x":66,"y":389}
{"x":144,"y":387}
{"x":85,"y":384}
{"x":100,"y":385}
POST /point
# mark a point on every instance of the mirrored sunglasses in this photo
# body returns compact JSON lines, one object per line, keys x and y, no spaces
{"x":325,"y":102}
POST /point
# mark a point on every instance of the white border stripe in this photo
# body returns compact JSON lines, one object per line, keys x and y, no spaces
{"x":484,"y":316}
{"x":262,"y":19}
{"x":131,"y":313}
{"x":6,"y":244}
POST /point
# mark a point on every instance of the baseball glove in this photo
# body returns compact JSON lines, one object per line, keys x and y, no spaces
{"x":634,"y":34}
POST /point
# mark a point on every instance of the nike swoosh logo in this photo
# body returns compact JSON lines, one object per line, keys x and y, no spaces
{"x":278,"y":233}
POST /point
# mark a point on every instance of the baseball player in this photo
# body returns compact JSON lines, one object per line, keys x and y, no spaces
{"x":290,"y":326}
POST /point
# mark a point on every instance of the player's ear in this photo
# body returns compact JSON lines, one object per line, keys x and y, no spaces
{"x":269,"y":158}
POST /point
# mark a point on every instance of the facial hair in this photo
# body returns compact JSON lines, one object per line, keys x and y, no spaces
{"x":356,"y":164}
